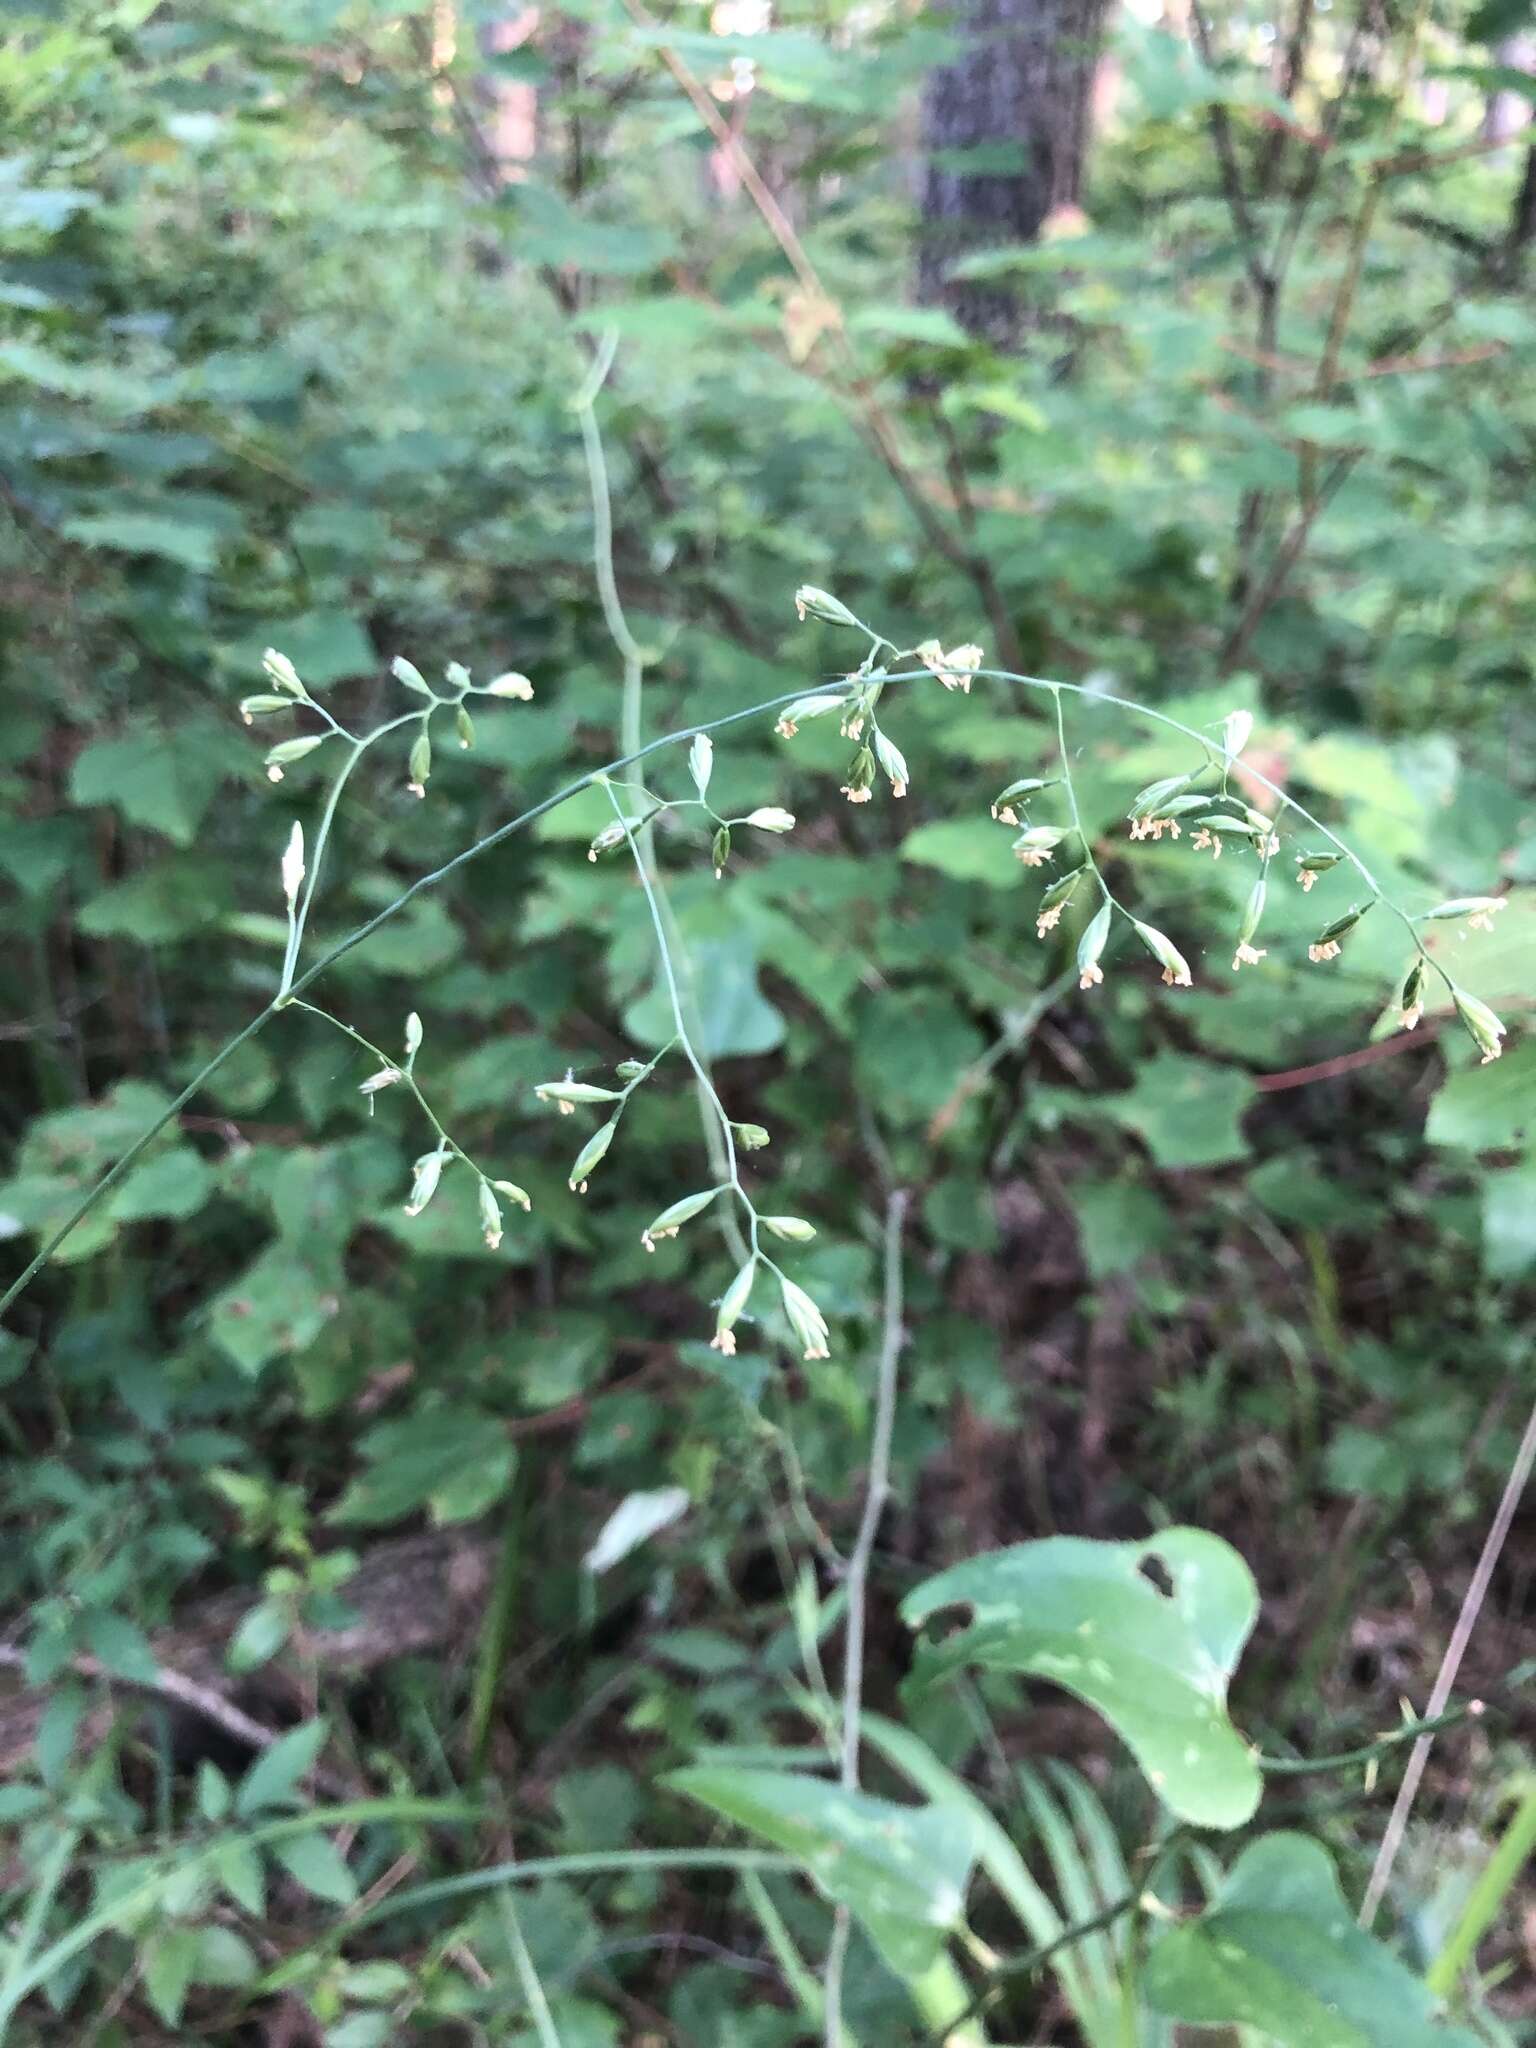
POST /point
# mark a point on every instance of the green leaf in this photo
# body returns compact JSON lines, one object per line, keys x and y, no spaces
{"x":162,"y":903}
{"x":274,"y":1778}
{"x":1187,"y":1112}
{"x":169,"y":1962}
{"x":238,"y":1869}
{"x":1093,"y":1618}
{"x":911,"y":323}
{"x":315,"y":1862}
{"x":175,"y":1183}
{"x":1119,"y":1223}
{"x":455,"y":1461}
{"x":965,"y":849}
{"x":1488,"y":1109}
{"x":121,"y":1646}
{"x":903,"y":1870}
{"x":1496,"y":965}
{"x":278,"y":1305}
{"x":734,"y":1017}
{"x":1509,"y":1222}
{"x":164,"y":781}
{"x":213,"y":1791}
{"x":261,"y":1634}
{"x":911,"y":1049}
{"x":194,"y":543}
{"x":223,"y":1959}
{"x":1279,"y":1951}
{"x":325,"y":647}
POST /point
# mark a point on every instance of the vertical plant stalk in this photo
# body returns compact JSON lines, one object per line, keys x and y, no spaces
{"x":631,"y":723}
{"x":496,"y":1630}
{"x":856,"y":1586}
{"x":1450,"y":1665}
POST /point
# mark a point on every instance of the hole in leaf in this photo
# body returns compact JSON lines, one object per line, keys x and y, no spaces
{"x":1157,"y":1574}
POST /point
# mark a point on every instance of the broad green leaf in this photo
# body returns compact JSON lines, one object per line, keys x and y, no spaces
{"x":325,"y":647}
{"x":223,"y":1958}
{"x":423,"y":938}
{"x":120,"y":1645}
{"x":174,"y":1183}
{"x":159,"y":904}
{"x":903,"y":1870}
{"x":1092,"y":1618}
{"x":1498,"y":965}
{"x":193,"y":543}
{"x":315,"y":1862}
{"x":965,"y":849}
{"x":164,"y":781}
{"x":1188,"y":1112}
{"x":274,"y":1778}
{"x":911,"y":323}
{"x":1279,"y":1951}
{"x":279,"y":1304}
{"x":455,"y":1461}
{"x":1488,"y":1109}
{"x":1509,"y":1222}
{"x":1119,"y":1222}
{"x":718,"y":978}
{"x":911,"y":1049}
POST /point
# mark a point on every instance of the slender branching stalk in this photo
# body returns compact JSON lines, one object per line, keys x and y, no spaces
{"x":877,"y":1491}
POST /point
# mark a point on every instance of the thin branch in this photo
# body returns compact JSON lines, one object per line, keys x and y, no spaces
{"x":1296,"y":49}
{"x":200,"y":1699}
{"x":1346,"y":1062}
{"x":1450,"y":1665}
{"x":1231,"y":173}
{"x":856,"y":1585}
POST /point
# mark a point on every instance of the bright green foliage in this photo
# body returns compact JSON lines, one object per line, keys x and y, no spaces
{"x":1277,"y":1950}
{"x":904,"y":1870}
{"x":1147,"y":1633}
{"x":287,"y":361}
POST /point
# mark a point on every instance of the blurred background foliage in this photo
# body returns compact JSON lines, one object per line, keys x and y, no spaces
{"x":294,"y":303}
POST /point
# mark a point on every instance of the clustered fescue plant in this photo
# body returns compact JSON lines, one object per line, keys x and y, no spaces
{"x":1201,"y":802}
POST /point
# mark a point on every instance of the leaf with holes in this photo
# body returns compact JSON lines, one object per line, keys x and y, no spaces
{"x":902,"y":1869}
{"x":1279,"y":1951}
{"x":1147,"y":1633}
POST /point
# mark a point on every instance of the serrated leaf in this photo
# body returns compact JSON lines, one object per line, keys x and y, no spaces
{"x":1093,"y":1618}
{"x":455,"y":1461}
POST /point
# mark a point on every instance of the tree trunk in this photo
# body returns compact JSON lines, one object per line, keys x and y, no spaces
{"x":1005,"y":128}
